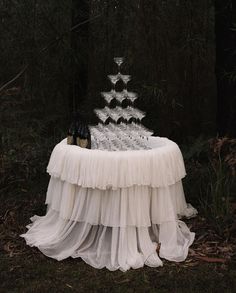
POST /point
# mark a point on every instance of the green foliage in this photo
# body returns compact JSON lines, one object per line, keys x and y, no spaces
{"x":230,"y":76}
{"x":215,"y":195}
{"x":27,"y":139}
{"x":210,"y":165}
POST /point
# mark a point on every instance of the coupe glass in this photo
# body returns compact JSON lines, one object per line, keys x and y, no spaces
{"x":108,"y":96}
{"x":116,"y":113}
{"x":120,"y":96}
{"x":119,"y":61}
{"x":98,"y":135}
{"x":114,"y":79}
{"x":136,"y":113}
{"x":125,"y":78}
{"x":115,"y":116}
{"x":127,"y":115}
{"x":101,"y":114}
{"x":132,"y":96}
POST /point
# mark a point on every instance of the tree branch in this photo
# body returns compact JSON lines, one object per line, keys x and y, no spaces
{"x":14,"y":79}
{"x":52,"y":43}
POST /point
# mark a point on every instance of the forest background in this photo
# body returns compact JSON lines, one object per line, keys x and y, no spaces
{"x":55,"y":56}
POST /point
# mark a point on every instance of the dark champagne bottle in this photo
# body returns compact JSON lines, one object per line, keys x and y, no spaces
{"x":78,"y":133}
{"x":85,"y":137}
{"x":70,"y":135}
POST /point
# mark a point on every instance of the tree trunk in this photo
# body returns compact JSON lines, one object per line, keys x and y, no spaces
{"x":79,"y":54}
{"x":225,"y":70}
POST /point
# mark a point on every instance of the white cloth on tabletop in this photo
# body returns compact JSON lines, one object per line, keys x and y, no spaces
{"x":162,"y":165}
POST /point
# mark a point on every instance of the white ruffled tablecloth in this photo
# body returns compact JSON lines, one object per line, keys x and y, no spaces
{"x":113,"y":208}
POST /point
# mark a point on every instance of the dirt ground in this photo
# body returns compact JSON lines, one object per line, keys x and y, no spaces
{"x":210,"y":266}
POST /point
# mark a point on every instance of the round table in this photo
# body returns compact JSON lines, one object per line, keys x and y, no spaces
{"x":114,"y":208}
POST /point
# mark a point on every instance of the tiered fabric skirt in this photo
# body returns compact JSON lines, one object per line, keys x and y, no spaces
{"x":113,"y":209}
{"x":116,"y":229}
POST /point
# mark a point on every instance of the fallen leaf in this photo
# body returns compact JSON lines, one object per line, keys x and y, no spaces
{"x":13,"y":268}
{"x":211,"y":259}
{"x":191,"y":252}
{"x":68,"y":285}
{"x":122,"y":281}
{"x":201,"y":237}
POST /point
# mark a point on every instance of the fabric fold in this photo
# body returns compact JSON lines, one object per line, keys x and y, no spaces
{"x":111,"y":247}
{"x":162,"y":165}
{"x":137,"y":206}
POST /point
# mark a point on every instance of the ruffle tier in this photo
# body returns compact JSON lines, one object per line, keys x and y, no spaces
{"x":162,"y":165}
{"x":116,"y":229}
{"x":111,"y":247}
{"x":137,"y":206}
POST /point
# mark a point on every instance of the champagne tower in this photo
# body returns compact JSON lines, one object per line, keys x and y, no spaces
{"x":120,"y":128}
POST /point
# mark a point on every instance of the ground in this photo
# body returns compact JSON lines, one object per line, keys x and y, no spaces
{"x":210,"y":266}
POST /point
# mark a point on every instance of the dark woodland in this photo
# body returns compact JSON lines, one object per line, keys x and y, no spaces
{"x":55,"y":56}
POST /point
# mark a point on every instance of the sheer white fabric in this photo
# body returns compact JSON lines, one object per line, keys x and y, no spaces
{"x":163,"y":165}
{"x":133,"y":206}
{"x":113,"y":229}
{"x":113,"y":226}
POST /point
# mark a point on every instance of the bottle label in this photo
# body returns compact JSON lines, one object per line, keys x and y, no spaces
{"x":69,"y":139}
{"x":83,"y":143}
